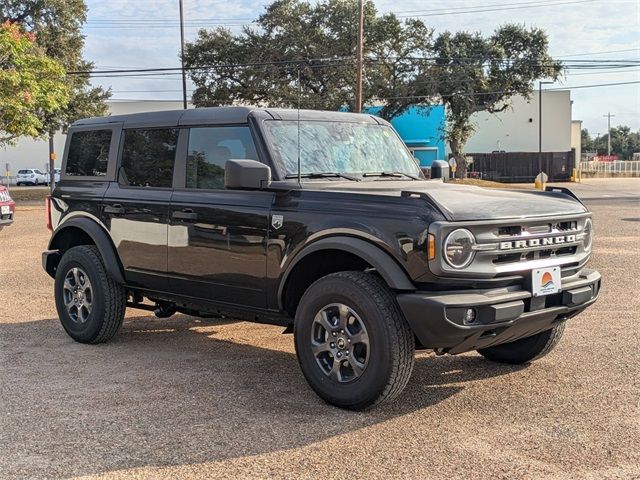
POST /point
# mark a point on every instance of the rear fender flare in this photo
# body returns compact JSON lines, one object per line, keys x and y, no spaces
{"x":100,"y":238}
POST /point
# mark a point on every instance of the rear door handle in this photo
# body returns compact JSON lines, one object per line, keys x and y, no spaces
{"x":116,"y":209}
{"x":186,"y":214}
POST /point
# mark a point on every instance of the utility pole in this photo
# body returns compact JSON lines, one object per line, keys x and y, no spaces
{"x":51,"y":163}
{"x":540,"y":124}
{"x":608,"y":115}
{"x":184,"y":74}
{"x":359,"y":62}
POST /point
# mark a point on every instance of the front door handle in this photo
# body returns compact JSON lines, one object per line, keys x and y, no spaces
{"x":186,"y":214}
{"x":116,"y":209}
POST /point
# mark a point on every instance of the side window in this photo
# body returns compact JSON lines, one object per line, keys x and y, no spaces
{"x":148,"y":157}
{"x":210,"y":148}
{"x":89,"y":153}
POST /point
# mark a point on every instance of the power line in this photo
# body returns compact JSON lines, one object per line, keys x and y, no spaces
{"x":410,"y":97}
{"x":347,"y":61}
{"x":596,"y":85}
{"x":161,"y":23}
{"x":598,"y":53}
{"x":484,"y":10}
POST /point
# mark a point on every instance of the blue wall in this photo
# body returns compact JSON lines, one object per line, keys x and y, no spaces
{"x":421,"y":126}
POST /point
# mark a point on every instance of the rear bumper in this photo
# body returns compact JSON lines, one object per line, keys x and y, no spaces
{"x":7,"y":218}
{"x":502,"y":315}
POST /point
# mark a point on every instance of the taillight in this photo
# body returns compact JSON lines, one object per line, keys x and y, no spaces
{"x":47,"y":204}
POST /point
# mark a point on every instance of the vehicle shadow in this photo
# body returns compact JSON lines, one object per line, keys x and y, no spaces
{"x":177,"y":391}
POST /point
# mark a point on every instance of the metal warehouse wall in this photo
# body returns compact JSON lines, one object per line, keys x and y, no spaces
{"x":516,"y":129}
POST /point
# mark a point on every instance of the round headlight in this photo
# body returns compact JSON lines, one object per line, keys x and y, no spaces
{"x":587,"y":234}
{"x":458,"y":248}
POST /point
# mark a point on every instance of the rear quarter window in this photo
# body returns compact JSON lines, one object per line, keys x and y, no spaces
{"x":88,"y":153}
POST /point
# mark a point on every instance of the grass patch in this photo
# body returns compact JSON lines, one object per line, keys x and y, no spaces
{"x":28,"y":194}
{"x":476,"y":182}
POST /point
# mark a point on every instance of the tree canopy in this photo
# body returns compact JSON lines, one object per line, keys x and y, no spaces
{"x":314,"y":43}
{"x":299,"y":53}
{"x":624,"y":142}
{"x":32,"y":85}
{"x":57,"y":26}
{"x":481,"y":74}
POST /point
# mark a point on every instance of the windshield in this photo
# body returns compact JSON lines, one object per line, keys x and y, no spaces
{"x":333,"y":147}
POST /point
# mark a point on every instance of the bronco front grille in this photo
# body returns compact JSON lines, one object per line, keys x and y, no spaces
{"x":510,"y":247}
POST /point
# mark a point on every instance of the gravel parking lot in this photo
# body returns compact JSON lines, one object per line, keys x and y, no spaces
{"x":190,"y":398}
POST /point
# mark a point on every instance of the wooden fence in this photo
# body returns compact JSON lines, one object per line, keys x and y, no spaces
{"x":514,"y":167}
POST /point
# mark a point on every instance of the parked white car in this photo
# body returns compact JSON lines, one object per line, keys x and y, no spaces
{"x":31,"y":176}
{"x":56,"y":176}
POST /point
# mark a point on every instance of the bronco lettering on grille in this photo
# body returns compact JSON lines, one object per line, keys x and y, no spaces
{"x":537,"y":242}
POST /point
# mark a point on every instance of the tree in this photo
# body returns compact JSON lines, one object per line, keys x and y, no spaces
{"x":313,"y":43}
{"x":30,"y":84}
{"x":298,"y":53}
{"x":586,"y":141}
{"x":57,"y":26}
{"x":624,"y":142}
{"x":476,"y":74}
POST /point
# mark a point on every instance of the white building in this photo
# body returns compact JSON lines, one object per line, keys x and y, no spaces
{"x":517,"y":128}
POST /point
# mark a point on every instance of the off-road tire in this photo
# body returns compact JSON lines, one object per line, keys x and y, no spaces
{"x":109,"y":298}
{"x":526,"y":349}
{"x":391,"y":341}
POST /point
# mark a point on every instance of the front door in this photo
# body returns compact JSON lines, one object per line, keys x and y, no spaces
{"x":217,"y":237}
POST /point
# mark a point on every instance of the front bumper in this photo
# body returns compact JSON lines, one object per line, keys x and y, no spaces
{"x":502,"y":315}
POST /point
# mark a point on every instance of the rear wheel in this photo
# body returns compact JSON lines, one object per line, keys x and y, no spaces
{"x":90,"y":304}
{"x":353,"y":344}
{"x":526,"y":349}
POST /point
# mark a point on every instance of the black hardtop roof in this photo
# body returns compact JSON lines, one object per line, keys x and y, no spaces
{"x":224,"y":116}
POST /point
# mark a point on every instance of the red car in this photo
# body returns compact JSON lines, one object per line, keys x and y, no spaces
{"x":7,"y":207}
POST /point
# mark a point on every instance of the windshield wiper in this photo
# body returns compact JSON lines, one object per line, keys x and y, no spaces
{"x":322,"y":175}
{"x":390,"y":174}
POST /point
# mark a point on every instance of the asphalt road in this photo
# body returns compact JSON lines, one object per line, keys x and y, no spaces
{"x":188,"y":398}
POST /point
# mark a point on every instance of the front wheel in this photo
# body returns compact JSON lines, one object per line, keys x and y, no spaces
{"x":353,"y":344}
{"x":90,"y":304}
{"x":526,"y":349}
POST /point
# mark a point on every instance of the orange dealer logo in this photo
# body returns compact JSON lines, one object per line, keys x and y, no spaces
{"x":546,"y":281}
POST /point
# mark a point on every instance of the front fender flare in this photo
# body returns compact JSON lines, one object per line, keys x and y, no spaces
{"x":100,"y":238}
{"x":385,"y":265}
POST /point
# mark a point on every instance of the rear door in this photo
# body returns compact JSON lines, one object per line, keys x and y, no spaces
{"x":218,"y":237}
{"x":135,"y":208}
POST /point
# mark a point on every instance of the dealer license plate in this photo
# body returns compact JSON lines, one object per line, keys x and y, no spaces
{"x":545,"y":281}
{"x":4,"y":210}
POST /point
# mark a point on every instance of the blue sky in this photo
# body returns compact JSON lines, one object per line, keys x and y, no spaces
{"x":145,"y":34}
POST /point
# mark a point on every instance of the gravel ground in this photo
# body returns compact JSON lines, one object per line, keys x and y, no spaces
{"x":190,"y":398}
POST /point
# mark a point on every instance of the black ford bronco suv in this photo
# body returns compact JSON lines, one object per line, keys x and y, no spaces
{"x":321,"y":222}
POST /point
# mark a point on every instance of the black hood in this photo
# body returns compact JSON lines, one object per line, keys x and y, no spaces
{"x":466,"y":202}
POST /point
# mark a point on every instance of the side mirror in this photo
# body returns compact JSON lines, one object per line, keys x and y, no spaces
{"x":440,"y":169}
{"x":246,"y":174}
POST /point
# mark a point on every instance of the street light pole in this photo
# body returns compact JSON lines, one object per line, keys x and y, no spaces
{"x":540,"y":124}
{"x":608,"y":115}
{"x":359,"y":54}
{"x":184,"y":74}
